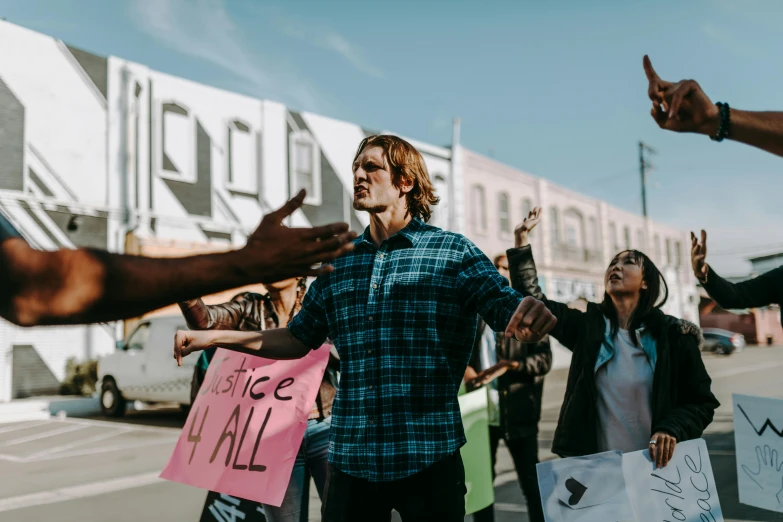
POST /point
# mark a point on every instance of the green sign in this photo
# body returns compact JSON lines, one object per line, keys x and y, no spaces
{"x":475,"y":453}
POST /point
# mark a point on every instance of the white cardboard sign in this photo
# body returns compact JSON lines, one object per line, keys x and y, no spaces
{"x":616,"y":487}
{"x":758,"y":438}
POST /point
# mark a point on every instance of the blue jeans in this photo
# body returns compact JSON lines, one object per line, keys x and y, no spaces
{"x":311,"y":461}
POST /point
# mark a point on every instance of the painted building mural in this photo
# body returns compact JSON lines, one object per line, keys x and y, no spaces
{"x":102,"y":152}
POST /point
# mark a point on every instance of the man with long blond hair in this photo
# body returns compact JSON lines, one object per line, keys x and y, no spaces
{"x":401,"y":309}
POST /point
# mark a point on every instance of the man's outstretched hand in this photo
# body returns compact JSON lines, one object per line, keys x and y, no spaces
{"x":681,"y":106}
{"x":275,"y":252}
{"x":531,"y":321}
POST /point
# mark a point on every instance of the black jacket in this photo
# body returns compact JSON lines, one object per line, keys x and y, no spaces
{"x":763,"y":290}
{"x":520,"y":390}
{"x":683,"y":404}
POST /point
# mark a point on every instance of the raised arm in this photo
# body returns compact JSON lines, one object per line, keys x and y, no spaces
{"x":684,"y":107}
{"x":524,"y":278}
{"x":759,"y":291}
{"x":277,"y":343}
{"x":86,"y":285}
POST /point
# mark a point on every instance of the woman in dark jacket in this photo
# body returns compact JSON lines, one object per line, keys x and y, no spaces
{"x":637,"y":379}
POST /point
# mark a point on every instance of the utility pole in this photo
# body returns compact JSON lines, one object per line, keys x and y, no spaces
{"x":644,"y":166}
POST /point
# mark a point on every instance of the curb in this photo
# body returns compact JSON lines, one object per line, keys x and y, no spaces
{"x":43,"y":408}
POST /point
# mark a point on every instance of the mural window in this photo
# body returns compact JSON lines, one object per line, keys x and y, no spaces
{"x":503,"y":213}
{"x":627,"y":238}
{"x":243,"y":146}
{"x":305,"y":167}
{"x":668,"y":251}
{"x":177,"y":142}
{"x":677,"y":253}
{"x":640,"y":240}
{"x":478,"y":216}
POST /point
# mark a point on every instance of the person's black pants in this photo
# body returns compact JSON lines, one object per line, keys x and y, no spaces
{"x":436,"y":493}
{"x":524,"y":451}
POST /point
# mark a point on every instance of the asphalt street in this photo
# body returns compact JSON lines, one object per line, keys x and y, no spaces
{"x":99,"y":470}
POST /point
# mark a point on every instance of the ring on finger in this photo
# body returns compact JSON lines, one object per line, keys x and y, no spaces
{"x":653,"y":442}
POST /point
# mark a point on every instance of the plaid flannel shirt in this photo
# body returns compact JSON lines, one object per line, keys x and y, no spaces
{"x":403,"y":318}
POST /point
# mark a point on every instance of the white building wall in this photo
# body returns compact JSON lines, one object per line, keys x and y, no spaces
{"x":102,"y":134}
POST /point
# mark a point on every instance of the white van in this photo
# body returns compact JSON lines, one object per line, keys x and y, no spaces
{"x":143,"y":368}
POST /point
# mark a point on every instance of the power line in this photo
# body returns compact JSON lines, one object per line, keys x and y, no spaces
{"x":604,"y":180}
{"x":769,"y":249}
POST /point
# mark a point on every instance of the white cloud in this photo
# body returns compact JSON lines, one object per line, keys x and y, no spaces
{"x":341,"y":46}
{"x":203,"y":29}
{"x":329,"y":40}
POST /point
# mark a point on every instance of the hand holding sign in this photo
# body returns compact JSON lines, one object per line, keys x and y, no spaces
{"x":187,"y":342}
{"x":662,"y":448}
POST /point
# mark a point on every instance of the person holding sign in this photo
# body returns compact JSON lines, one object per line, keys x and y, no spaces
{"x":763,"y":290}
{"x":401,"y":310}
{"x":516,"y":377}
{"x":252,"y":312}
{"x":637,"y":380}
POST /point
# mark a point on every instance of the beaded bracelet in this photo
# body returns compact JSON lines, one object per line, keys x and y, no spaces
{"x":724,"y":112}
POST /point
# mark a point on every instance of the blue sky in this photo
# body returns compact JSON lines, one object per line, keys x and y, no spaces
{"x":554,"y":88}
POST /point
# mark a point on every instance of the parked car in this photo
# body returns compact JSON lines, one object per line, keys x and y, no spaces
{"x":143,"y":368}
{"x":723,"y":341}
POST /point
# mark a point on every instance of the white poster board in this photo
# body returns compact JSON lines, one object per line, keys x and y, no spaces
{"x":758,"y":438}
{"x":612,"y":487}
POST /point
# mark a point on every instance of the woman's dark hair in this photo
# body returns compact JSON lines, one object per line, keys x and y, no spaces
{"x":648,"y":297}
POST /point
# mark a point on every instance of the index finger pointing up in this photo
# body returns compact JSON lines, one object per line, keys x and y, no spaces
{"x":648,"y":69}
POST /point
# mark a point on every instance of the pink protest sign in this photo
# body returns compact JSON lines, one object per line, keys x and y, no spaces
{"x":245,"y":428}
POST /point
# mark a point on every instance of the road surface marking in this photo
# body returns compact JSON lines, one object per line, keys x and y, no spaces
{"x":730,"y":372}
{"x":23,"y":425}
{"x":38,"y":436}
{"x":58,"y":449}
{"x":109,"y":424}
{"x":76,"y":492}
{"x":118,"y":447}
